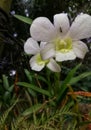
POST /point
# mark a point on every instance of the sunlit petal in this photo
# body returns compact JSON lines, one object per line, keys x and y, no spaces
{"x":52,"y":65}
{"x":80,"y":49}
{"x":61,"y":22}
{"x":65,"y":56}
{"x":48,"y":51}
{"x":42,"y":29}
{"x":31,"y":46}
{"x":34,"y":65}
{"x":81,"y":27}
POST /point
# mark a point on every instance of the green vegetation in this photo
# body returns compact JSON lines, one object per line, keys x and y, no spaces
{"x":42,"y":104}
{"x":43,"y":100}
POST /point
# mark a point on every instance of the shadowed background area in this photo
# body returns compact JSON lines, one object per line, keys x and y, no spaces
{"x":13,"y":32}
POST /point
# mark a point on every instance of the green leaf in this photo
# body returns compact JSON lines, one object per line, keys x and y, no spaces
{"x":35,"y":88}
{"x":5,"y":82}
{"x":67,"y":80}
{"x":5,"y":114}
{"x":24,"y":19}
{"x":7,"y":96}
{"x":41,"y":78}
{"x":10,"y":89}
{"x":78,"y":78}
{"x":32,"y":109}
{"x":84,"y":123}
{"x":29,"y":76}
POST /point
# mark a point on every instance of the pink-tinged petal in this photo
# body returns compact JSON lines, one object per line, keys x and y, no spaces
{"x":34,"y":65}
{"x":42,"y":29}
{"x":81,"y":27}
{"x":65,"y":56}
{"x":48,"y":51}
{"x":42,"y":45}
{"x":53,"y":66}
{"x":61,"y":22}
{"x":31,"y":46}
{"x":80,"y":49}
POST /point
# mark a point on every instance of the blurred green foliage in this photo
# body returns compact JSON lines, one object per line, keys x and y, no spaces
{"x":42,"y":104}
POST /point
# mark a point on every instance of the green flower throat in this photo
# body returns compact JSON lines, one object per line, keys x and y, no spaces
{"x":63,"y":45}
{"x":40,"y":61}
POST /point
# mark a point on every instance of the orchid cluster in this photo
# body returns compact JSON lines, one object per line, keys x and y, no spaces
{"x":53,"y":43}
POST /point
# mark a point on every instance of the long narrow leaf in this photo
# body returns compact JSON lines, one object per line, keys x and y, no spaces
{"x":32,"y":109}
{"x":67,"y":80}
{"x":29,"y":76}
{"x":5,"y":82}
{"x":24,"y":19}
{"x":33,"y":87}
{"x":80,"y":77}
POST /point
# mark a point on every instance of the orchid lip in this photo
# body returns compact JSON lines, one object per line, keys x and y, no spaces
{"x":63,"y":45}
{"x":40,"y":61}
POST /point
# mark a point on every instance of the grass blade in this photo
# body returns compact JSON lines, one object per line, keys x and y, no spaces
{"x":5,"y":82}
{"x":80,"y":77}
{"x":24,"y":19}
{"x":33,"y":87}
{"x":67,"y":81}
{"x":32,"y":109}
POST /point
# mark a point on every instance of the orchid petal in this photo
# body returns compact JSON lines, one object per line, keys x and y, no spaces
{"x":81,"y":27}
{"x":31,"y":46}
{"x":42,"y":45}
{"x":34,"y":65}
{"x":48,"y":51}
{"x":52,"y":65}
{"x":42,"y":29}
{"x":61,"y":22}
{"x":65,"y":56}
{"x":80,"y":49}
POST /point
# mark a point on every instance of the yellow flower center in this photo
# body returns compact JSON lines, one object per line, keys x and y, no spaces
{"x":40,"y":61}
{"x":63,"y":45}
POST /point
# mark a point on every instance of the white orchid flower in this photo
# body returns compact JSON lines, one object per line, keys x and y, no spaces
{"x":36,"y":62}
{"x":63,"y":42}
